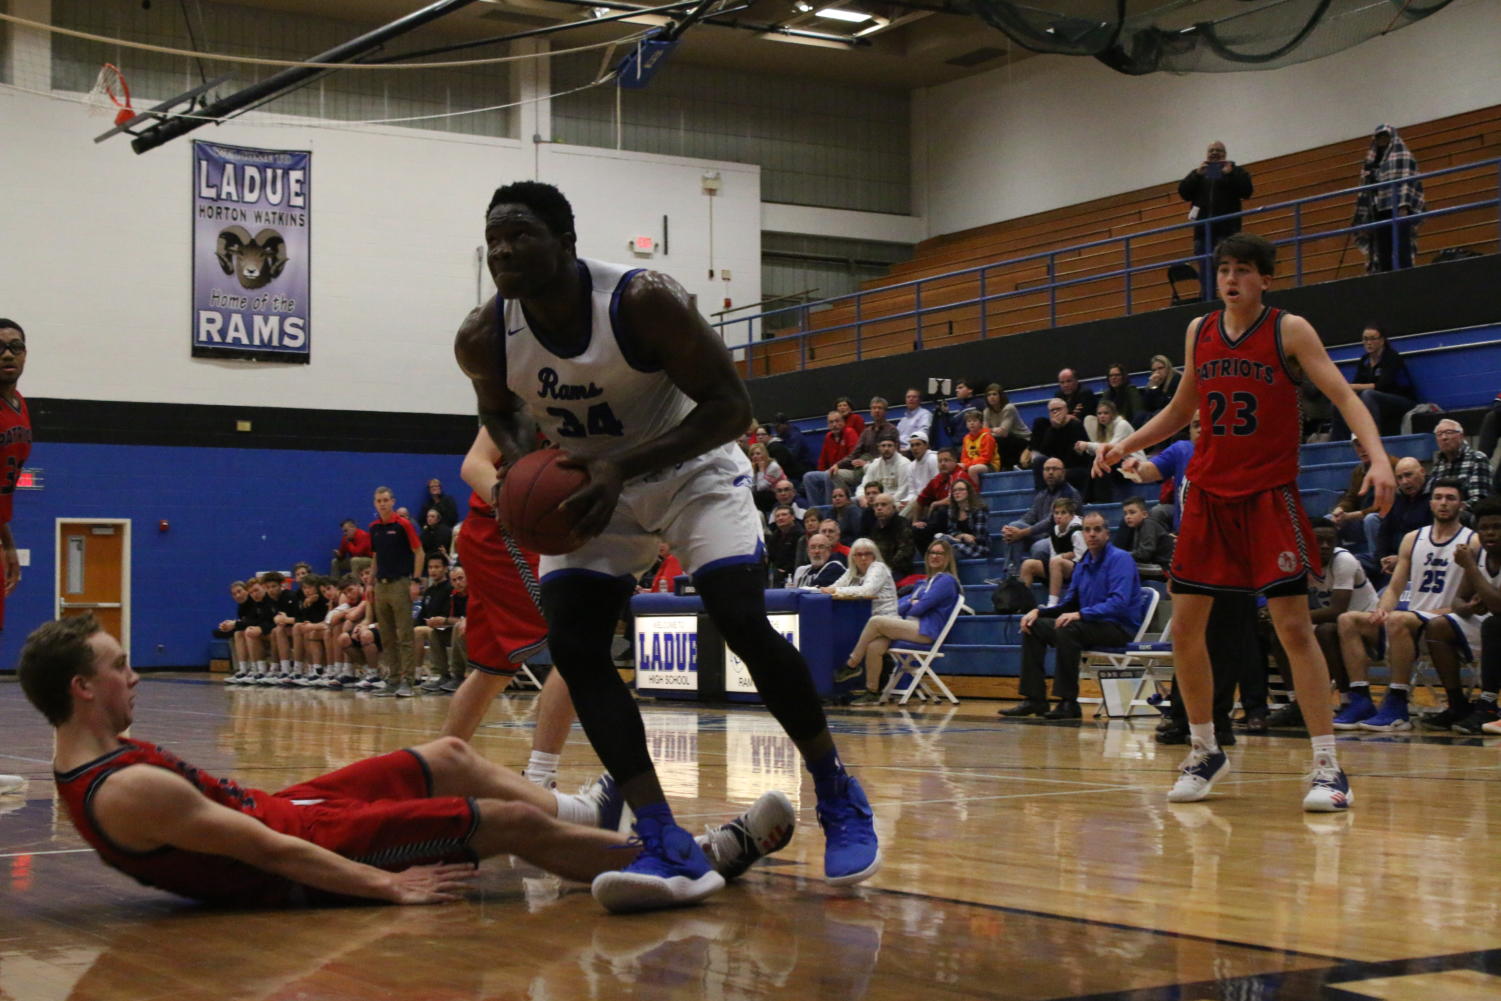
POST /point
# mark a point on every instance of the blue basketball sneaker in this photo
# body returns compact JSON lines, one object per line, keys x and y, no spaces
{"x":1328,"y":788}
{"x":851,"y":852}
{"x":1198,"y":774}
{"x":1392,"y":716}
{"x":1360,"y":708}
{"x":671,"y":871}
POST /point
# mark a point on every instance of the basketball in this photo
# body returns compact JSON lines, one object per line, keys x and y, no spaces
{"x":534,"y":487}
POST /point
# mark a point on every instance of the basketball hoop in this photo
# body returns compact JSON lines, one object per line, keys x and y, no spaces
{"x":111,"y":95}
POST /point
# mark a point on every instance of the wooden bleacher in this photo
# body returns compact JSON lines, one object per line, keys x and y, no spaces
{"x":1444,"y":142}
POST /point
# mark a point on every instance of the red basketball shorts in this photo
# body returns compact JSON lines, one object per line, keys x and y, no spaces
{"x":504,"y":626}
{"x":381,"y":811}
{"x":1251,"y":544}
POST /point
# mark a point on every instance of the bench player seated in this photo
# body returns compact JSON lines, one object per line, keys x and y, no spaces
{"x":1428,"y":598}
{"x":1481,"y":573}
{"x":405,"y":827}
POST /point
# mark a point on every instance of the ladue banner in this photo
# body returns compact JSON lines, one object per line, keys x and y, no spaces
{"x":251,"y":268}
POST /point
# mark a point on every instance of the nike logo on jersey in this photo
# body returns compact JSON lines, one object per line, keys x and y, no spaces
{"x":550,"y":386}
{"x":513,"y":333}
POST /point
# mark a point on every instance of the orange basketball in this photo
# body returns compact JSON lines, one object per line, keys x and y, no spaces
{"x":535,"y":486}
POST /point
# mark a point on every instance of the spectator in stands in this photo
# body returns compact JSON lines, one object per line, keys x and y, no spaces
{"x":1149,"y":544}
{"x":1389,"y":164}
{"x":1162,"y":383}
{"x":766,"y":473}
{"x":1490,"y":433}
{"x":1344,"y":587}
{"x":921,"y":472}
{"x":888,"y":470}
{"x":961,"y":522}
{"x":353,"y":553}
{"x":1456,"y":459}
{"x":920,"y":618}
{"x":980,"y":456}
{"x":1102,"y":608}
{"x":838,"y":442}
{"x":1122,"y":394}
{"x":1080,"y":399}
{"x":436,"y":536}
{"x":1006,"y":426}
{"x":1054,"y":437}
{"x":447,"y":510}
{"x":847,"y":411}
{"x":1029,"y":536}
{"x":1401,"y":629}
{"x":1065,"y":547}
{"x":1355,"y":515}
{"x":936,"y":492}
{"x":846,"y":512}
{"x":831,"y":531}
{"x":1410,"y":510}
{"x":799,"y":447}
{"x":823,"y":568}
{"x":867,"y":578}
{"x":868,"y":494}
{"x":781,"y":544}
{"x":812,"y":529}
{"x":1214,"y":189}
{"x":851,"y":469}
{"x":1383,"y":384}
{"x":892,"y":534}
{"x":914,"y":418}
{"x":784,"y":494}
{"x":663,"y":575}
{"x":1105,"y":426}
{"x":948,"y":418}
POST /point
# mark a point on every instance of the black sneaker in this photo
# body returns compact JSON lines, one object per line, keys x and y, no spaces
{"x":1482,"y":713}
{"x":1289,"y":717}
{"x":1446,"y":719}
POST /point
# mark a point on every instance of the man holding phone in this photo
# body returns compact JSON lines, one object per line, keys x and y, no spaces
{"x":1214,"y":188}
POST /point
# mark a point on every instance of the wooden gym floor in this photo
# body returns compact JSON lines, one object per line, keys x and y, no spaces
{"x":1024,"y":860}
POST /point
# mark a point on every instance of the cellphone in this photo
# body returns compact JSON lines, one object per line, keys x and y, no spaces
{"x":1215,"y":170}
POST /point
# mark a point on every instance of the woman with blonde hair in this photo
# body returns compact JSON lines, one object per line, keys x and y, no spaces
{"x":919,"y":618}
{"x":867,"y":577}
{"x":1162,"y":383}
{"x":766,"y":473}
{"x":1105,"y":427}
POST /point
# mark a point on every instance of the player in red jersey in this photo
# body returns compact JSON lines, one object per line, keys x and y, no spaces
{"x":505,"y":625}
{"x":404,"y":827}
{"x":15,"y":447}
{"x":1243,"y":526}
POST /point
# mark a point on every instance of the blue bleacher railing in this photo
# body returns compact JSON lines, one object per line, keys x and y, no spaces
{"x":743,"y":335}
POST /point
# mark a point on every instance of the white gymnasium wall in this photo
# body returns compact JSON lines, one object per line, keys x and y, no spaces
{"x":1053,"y":131}
{"x":95,"y":256}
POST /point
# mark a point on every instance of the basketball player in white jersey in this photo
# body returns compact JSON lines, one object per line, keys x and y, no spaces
{"x":616,"y":366}
{"x":1426,"y":587}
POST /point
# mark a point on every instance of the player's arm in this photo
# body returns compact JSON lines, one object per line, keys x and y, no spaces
{"x":12,"y":558}
{"x":1169,"y":420}
{"x":1400,"y":574}
{"x":1145,"y":470}
{"x":147,"y":807}
{"x":481,"y":358}
{"x":671,"y":334}
{"x":1487,"y":597}
{"x":1301,"y":343}
{"x":478,"y":468}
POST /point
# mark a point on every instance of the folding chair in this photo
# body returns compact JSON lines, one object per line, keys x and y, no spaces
{"x":917,"y":664}
{"x":1153,"y":657}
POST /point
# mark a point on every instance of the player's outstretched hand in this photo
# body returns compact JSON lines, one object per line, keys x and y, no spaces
{"x":593,"y":504}
{"x":431,"y":884}
{"x":1105,"y":459}
{"x":1380,"y":479}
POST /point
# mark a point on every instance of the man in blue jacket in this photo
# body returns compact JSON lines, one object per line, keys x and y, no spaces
{"x":1102,"y":608}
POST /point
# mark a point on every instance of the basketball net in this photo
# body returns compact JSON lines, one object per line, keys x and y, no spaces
{"x":111,"y":95}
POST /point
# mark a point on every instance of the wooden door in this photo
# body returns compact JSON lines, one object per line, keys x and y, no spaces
{"x":91,"y":572}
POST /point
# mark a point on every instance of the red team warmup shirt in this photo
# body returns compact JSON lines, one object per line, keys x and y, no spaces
{"x":15,"y":447}
{"x":1243,"y":526}
{"x":378,"y":811}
